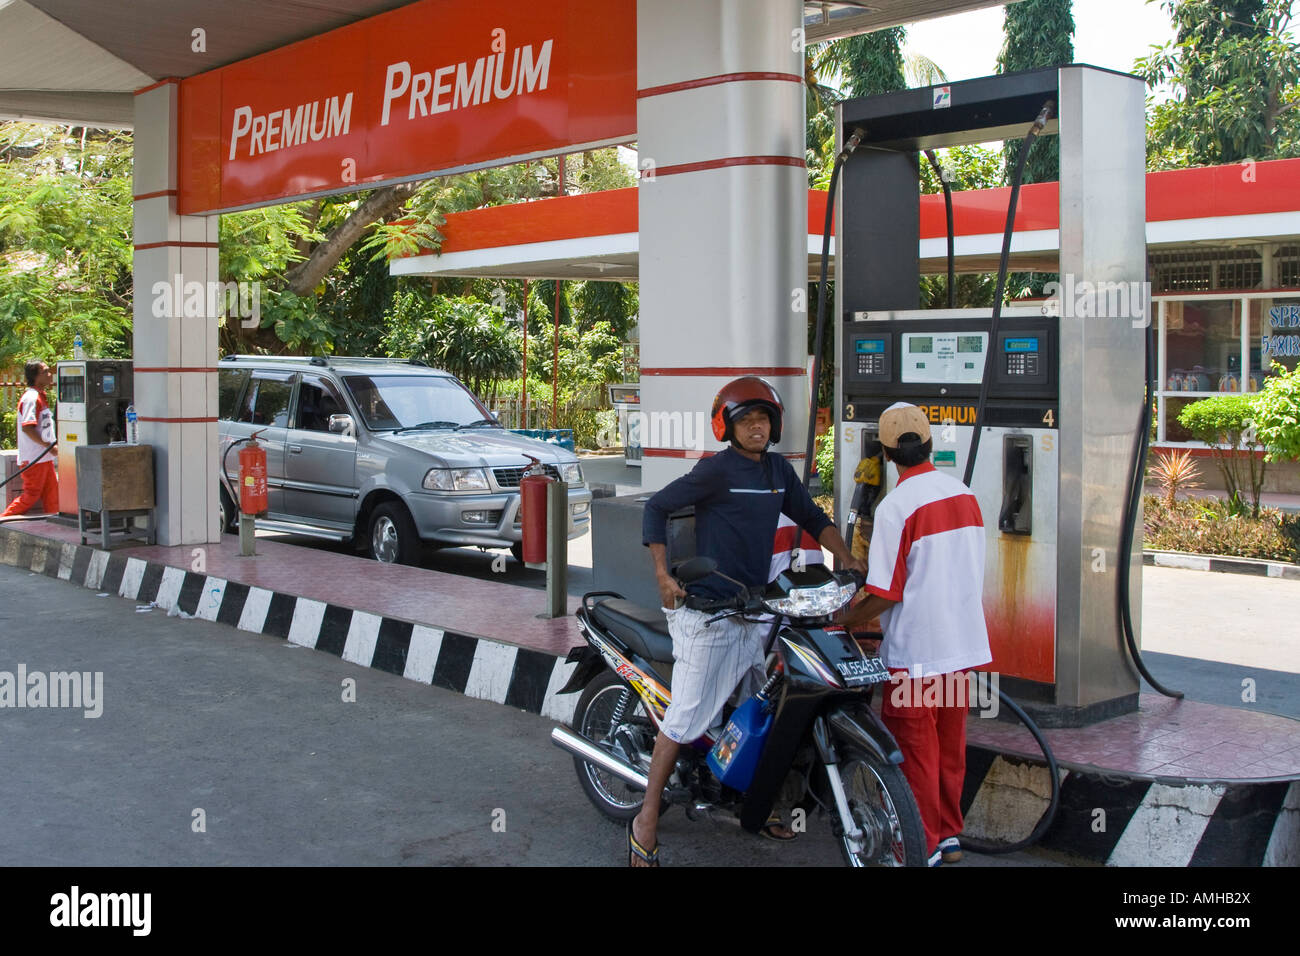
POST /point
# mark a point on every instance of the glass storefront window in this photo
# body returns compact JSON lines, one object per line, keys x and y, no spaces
{"x":1274,"y":335}
{"x":1202,"y":347}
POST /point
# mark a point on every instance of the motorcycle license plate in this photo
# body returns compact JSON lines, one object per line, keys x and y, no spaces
{"x":868,"y":670}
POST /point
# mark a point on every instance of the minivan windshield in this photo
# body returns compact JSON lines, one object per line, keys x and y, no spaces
{"x":412,"y":401}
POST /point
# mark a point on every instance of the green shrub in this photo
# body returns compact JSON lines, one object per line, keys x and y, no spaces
{"x":825,"y":458}
{"x":1227,"y":424}
{"x":1210,"y":526}
{"x":1277,"y":414}
{"x":9,"y":430}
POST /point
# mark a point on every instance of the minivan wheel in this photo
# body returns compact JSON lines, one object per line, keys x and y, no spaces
{"x":393,"y":538}
{"x":229,"y":513}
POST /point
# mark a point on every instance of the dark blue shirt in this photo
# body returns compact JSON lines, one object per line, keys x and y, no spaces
{"x":737,"y":503}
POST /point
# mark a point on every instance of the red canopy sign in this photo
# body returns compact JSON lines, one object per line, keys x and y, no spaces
{"x":436,"y":87}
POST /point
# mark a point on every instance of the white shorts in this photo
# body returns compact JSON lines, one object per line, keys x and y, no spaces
{"x":709,"y":663}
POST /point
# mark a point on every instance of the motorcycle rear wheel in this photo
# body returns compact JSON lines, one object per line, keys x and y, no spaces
{"x":592,"y":718}
{"x":883,"y":807}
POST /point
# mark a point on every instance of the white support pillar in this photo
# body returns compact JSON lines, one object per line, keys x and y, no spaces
{"x":175,"y":343}
{"x":723,"y":218}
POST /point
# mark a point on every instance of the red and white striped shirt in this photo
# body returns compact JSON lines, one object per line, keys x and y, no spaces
{"x":927,"y":552}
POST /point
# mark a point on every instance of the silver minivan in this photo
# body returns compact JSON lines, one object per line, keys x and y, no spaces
{"x":383,"y":453}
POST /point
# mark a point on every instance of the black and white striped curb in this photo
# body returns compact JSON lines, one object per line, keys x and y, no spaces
{"x":473,"y":666}
{"x":1132,"y":819}
{"x":1204,"y":562}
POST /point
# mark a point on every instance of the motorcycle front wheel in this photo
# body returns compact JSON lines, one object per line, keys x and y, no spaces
{"x":632,"y":738}
{"x":884,"y":809}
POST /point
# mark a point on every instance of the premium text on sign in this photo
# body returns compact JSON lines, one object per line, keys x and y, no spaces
{"x":431,"y":88}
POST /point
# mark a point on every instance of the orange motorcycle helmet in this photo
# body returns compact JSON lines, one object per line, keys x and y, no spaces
{"x":737,"y":397}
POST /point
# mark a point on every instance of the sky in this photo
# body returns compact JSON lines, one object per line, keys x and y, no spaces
{"x":1108,"y":33}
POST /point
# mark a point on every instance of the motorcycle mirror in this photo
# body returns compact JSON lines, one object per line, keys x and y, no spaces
{"x":693,"y":569}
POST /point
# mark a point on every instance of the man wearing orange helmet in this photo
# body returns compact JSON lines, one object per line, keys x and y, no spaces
{"x":739,"y":494}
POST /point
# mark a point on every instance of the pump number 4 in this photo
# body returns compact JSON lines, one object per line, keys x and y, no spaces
{"x":1049,"y":418}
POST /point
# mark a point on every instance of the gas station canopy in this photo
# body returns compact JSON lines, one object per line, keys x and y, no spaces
{"x":80,"y":61}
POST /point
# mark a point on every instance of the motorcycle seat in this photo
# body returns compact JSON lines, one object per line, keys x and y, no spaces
{"x":642,"y":629}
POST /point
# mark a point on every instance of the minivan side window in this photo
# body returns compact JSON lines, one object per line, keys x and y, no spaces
{"x":230,"y":383}
{"x":267,"y":400}
{"x":317,"y":401}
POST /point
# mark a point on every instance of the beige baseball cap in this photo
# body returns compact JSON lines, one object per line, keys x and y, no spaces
{"x":901,"y":418}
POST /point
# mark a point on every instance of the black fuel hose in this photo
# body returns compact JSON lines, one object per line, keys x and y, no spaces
{"x":1053,"y":804}
{"x":48,"y":449}
{"x":850,"y":145}
{"x":1130,"y":520}
{"x":947,"y":208}
{"x":1035,"y":128}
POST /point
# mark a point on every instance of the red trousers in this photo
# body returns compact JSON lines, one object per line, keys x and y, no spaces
{"x":928,"y":719}
{"x":40,"y":485}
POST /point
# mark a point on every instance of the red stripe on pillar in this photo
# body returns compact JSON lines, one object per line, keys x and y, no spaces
{"x":692,"y":453}
{"x":171,"y":368}
{"x":714,"y":81}
{"x":183,"y":421}
{"x":798,"y":161}
{"x":176,"y":244}
{"x":154,"y":195}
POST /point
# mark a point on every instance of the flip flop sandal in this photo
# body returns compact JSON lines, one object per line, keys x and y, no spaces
{"x":634,"y":848}
{"x":769,"y":829}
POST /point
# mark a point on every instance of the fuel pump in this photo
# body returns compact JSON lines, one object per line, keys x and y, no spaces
{"x":1051,"y":394}
{"x":1052,"y":391}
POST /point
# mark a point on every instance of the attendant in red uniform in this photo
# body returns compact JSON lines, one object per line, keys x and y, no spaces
{"x":35,"y":433}
{"x":925,"y":578}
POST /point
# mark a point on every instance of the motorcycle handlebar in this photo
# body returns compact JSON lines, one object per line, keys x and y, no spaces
{"x":751,"y":599}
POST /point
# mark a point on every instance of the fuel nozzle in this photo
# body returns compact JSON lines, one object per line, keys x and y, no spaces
{"x":868,"y":481}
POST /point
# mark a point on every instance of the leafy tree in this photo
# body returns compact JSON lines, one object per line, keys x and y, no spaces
{"x":65,"y":241}
{"x":854,"y":66}
{"x":468,"y":338}
{"x":1036,"y":33}
{"x":1234,"y":67}
{"x":615,"y":303}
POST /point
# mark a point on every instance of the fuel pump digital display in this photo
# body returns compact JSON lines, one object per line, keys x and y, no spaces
{"x":943,"y":358}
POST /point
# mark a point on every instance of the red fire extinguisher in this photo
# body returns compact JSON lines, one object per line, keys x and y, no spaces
{"x":532,"y":505}
{"x":252,"y":477}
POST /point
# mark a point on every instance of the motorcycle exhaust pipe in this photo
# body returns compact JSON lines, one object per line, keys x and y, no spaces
{"x":580,"y":746}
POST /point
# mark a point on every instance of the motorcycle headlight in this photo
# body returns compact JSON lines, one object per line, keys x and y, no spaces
{"x":813,"y":602}
{"x":456,"y":479}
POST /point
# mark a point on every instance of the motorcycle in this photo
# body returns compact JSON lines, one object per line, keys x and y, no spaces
{"x":817,"y":696}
